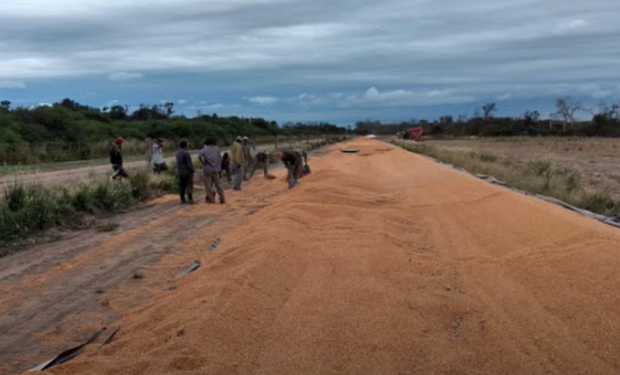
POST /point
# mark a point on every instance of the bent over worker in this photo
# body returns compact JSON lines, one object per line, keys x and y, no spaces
{"x":263,"y":159}
{"x":292,"y":162}
{"x":303,"y":154}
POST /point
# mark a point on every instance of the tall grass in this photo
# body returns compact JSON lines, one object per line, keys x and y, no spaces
{"x":538,"y":176}
{"x":27,"y":210}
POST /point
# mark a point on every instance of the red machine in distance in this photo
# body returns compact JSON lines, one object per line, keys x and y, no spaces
{"x":414,"y":134}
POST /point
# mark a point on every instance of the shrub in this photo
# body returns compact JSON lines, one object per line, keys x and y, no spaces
{"x":167,"y":184}
{"x":140,"y":184}
{"x":600,"y":203}
{"x":540,"y":167}
{"x":112,"y":196}
{"x":487,"y":157}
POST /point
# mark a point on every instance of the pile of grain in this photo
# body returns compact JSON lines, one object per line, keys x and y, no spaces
{"x":382,"y":262}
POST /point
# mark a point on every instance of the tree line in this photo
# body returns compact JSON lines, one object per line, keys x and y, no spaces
{"x":72,"y":129}
{"x":604,"y":122}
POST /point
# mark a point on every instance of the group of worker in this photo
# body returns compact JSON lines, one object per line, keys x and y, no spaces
{"x":237,"y":167}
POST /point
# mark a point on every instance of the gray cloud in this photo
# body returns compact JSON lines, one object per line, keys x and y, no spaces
{"x":124,"y":76}
{"x":263,"y":100}
{"x":386,"y":53}
{"x":12,"y":85}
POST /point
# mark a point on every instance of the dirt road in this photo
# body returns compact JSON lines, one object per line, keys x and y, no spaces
{"x":72,"y":175}
{"x":69,"y":175}
{"x":380,"y":262}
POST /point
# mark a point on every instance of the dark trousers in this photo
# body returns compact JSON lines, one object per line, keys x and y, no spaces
{"x":118,"y":171}
{"x":294,"y":172}
{"x":265,"y":165}
{"x":186,"y":187}
{"x":226,"y":171}
{"x":158,"y":168}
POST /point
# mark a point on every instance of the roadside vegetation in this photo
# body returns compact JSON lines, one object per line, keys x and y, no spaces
{"x":537,"y":176}
{"x":70,"y":131}
{"x":604,"y":121}
{"x":31,"y":209}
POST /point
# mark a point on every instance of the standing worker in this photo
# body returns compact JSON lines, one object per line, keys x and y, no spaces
{"x":236,"y":158}
{"x":158,"y":164}
{"x":247,"y":157}
{"x":292,"y":162}
{"x":185,"y":171}
{"x":211,"y":159}
{"x":116,"y":159}
{"x":262,"y":158}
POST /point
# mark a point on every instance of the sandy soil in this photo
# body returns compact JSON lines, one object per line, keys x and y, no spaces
{"x":380,"y":262}
{"x":598,"y":159}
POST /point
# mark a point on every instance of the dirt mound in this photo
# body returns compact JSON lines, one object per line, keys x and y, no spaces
{"x":382,"y":262}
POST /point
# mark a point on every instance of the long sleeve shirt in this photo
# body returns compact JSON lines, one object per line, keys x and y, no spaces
{"x":116,"y":158}
{"x":184,"y":163}
{"x":211,"y":159}
{"x":236,"y":154}
{"x":290,"y":158}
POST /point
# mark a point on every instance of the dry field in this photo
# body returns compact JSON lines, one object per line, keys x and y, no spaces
{"x":596,"y":159}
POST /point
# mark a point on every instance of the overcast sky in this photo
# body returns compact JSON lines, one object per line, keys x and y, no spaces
{"x":312,"y":60}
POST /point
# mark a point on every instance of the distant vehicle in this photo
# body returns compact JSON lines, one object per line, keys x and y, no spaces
{"x":414,"y":134}
{"x":371,"y":136}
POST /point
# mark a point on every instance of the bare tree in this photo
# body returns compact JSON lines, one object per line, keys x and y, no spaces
{"x":488,"y":110}
{"x":531,"y":117}
{"x":567,"y":108}
{"x":609,"y":112}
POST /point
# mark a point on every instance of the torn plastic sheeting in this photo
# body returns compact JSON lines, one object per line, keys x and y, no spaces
{"x":68,"y":354}
{"x":192,"y":267}
{"x":612,"y":221}
{"x":602,"y":218}
{"x":215,"y":244}
{"x":109,"y":338}
{"x":490,"y":179}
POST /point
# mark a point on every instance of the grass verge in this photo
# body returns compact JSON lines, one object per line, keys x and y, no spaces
{"x":538,"y":177}
{"x":28,"y":210}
